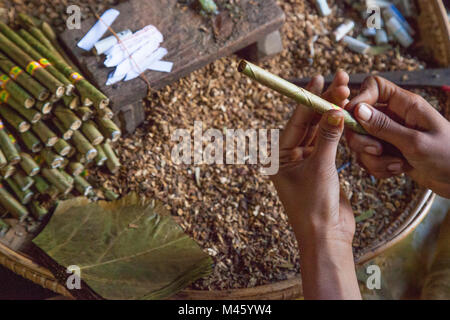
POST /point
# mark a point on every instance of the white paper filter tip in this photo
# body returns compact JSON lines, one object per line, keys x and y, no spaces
{"x":98,"y":30}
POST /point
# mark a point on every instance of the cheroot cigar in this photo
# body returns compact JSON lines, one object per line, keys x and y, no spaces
{"x":47,"y":136}
{"x":37,"y":211}
{"x":45,"y":107}
{"x":40,"y":184}
{"x":113,"y":162}
{"x":3,"y":161}
{"x":298,"y":94}
{"x":67,"y":117}
{"x":83,"y":86}
{"x":75,"y":168}
{"x":55,"y":177}
{"x":8,"y":147}
{"x":52,"y":159}
{"x":66,"y":133}
{"x":91,"y":132}
{"x":62,"y":147}
{"x":85,"y":113}
{"x":30,"y":114}
{"x":7,"y":171}
{"x":16,"y":91}
{"x":14,"y":119}
{"x":23,"y":181}
{"x":83,"y":145}
{"x":31,"y":141}
{"x":13,"y":206}
{"x":82,"y":186}
{"x":101,"y":157}
{"x":34,"y":68}
{"x":28,"y":165}
{"x":22,"y":44}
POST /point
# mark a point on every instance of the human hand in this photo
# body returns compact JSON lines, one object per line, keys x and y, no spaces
{"x":307,"y":182}
{"x":409,"y":123}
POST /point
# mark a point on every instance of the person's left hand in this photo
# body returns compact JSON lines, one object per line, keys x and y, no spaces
{"x":307,"y":182}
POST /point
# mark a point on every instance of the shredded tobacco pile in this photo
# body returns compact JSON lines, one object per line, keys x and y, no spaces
{"x":231,"y":210}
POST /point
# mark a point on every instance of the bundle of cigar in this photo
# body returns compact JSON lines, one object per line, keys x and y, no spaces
{"x":54,"y":124}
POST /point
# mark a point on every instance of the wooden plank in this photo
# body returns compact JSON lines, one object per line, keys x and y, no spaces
{"x":189,"y":38}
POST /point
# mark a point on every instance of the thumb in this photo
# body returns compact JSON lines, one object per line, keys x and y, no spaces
{"x":330,"y":131}
{"x":381,"y":126}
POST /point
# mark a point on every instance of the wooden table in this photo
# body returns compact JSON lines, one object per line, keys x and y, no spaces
{"x":189,"y":38}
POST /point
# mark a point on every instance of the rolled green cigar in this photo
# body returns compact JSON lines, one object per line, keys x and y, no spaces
{"x":87,"y":90}
{"x":75,"y":168}
{"x":30,"y":114}
{"x":13,"y":206}
{"x":82,"y":186}
{"x":31,"y":141}
{"x":55,"y":177}
{"x":32,"y":67}
{"x":101,"y":157}
{"x":37,"y":211}
{"x":3,"y":161}
{"x":66,"y":133}
{"x":16,"y":91}
{"x":298,"y":94}
{"x":72,"y":102}
{"x":85,"y":113}
{"x":23,"y":181}
{"x":44,"y":107}
{"x":13,"y":118}
{"x":81,"y":159}
{"x":91,"y":132}
{"x":106,"y":113}
{"x":84,"y":146}
{"x":108,"y":128}
{"x":67,"y":117}
{"x":40,"y":184}
{"x":26,"y":48}
{"x":51,"y":35}
{"x":62,"y":147}
{"x":24,"y":196}
{"x":7,"y":146}
{"x":24,"y":79}
{"x":109,"y":194}
{"x":52,"y":159}
{"x":113,"y":162}
{"x":28,"y":165}
{"x":67,"y":176}
{"x":47,"y":136}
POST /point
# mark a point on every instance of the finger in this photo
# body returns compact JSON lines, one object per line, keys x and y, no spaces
{"x":338,"y":92}
{"x":381,"y":126}
{"x":382,"y":167}
{"x":298,"y":125}
{"x":363,"y":143}
{"x":330,"y":131}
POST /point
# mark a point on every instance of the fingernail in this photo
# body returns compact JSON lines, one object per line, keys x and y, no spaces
{"x":335,"y":119}
{"x":372,"y":150}
{"x":395,"y":167}
{"x":364,"y":112}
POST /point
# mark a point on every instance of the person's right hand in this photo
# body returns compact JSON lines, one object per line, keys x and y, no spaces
{"x":409,"y":123}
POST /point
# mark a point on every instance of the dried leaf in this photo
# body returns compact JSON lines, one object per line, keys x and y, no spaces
{"x":126,"y":249}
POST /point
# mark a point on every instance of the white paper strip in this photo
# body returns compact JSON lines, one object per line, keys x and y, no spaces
{"x":130,"y":44}
{"x":98,"y":30}
{"x":105,"y":44}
